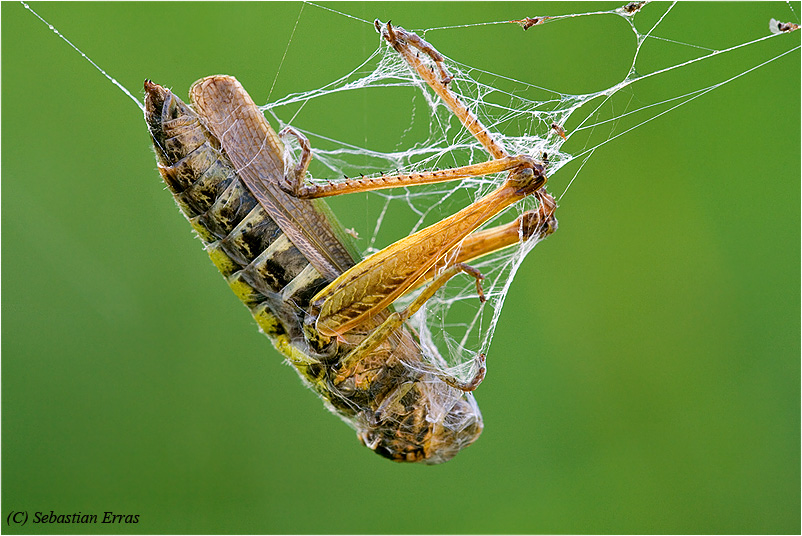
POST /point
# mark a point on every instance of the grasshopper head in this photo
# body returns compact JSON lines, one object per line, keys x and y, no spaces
{"x":429,"y":424}
{"x":459,"y":428}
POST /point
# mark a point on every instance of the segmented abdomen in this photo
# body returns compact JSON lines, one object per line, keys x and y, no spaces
{"x":262,"y":266}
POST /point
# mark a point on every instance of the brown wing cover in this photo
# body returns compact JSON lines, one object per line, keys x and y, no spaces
{"x":229,"y":113}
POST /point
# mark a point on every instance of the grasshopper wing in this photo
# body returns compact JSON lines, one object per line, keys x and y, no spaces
{"x":255,"y":150}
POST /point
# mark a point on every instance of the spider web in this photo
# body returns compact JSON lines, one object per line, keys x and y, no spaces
{"x":453,"y":326}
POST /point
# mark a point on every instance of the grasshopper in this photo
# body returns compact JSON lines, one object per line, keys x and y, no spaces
{"x":288,"y":260}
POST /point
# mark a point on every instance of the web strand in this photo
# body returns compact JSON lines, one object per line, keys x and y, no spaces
{"x":87,"y":58}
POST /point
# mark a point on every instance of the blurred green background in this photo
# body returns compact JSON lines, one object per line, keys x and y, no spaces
{"x":645,"y":374}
